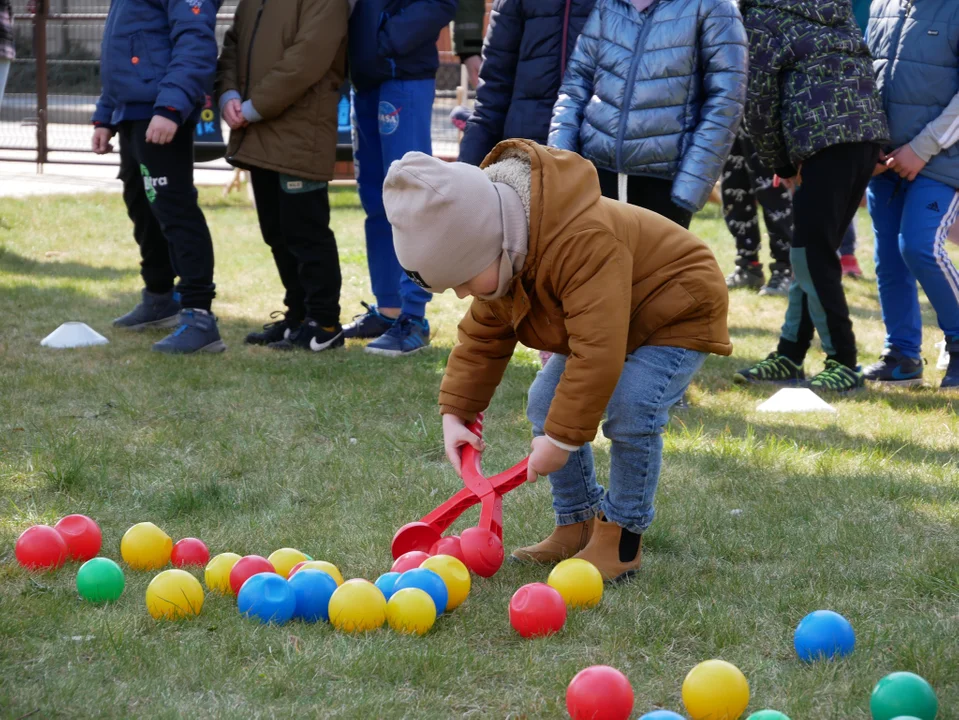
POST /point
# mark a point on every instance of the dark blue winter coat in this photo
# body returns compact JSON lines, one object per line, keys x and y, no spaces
{"x":524,"y":59}
{"x":395,"y":40}
{"x":158,"y":57}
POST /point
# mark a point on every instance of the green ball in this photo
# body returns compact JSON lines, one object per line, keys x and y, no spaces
{"x":100,"y":580}
{"x":903,"y":694}
{"x":768,"y":715}
{"x":308,"y":557}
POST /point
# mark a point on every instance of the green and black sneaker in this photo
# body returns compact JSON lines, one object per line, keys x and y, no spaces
{"x":838,"y":378}
{"x":776,"y":369}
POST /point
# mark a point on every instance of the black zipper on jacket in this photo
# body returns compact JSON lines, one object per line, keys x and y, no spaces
{"x":249,"y":51}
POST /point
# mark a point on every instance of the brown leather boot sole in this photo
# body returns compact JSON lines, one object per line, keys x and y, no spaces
{"x":564,"y":542}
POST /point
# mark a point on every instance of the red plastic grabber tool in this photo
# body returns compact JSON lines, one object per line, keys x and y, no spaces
{"x":482,"y":545}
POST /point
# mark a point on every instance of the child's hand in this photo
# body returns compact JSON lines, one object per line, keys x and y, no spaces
{"x":233,"y":114}
{"x":905,"y":163}
{"x":101,"y":141}
{"x":161,"y":130}
{"x":455,"y":436}
{"x":546,"y":458}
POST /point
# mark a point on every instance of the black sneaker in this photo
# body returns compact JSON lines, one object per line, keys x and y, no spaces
{"x":894,"y":368}
{"x":311,"y":336}
{"x":368,"y":325}
{"x":775,"y":369}
{"x":273,"y":331}
{"x":155,"y":310}
{"x":780,"y":280}
{"x":951,"y":380}
{"x":748,"y":276}
{"x":838,"y":378}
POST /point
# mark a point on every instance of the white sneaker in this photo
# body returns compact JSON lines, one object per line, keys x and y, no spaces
{"x":943,"y":361}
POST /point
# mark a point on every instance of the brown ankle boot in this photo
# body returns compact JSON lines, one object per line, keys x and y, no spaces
{"x":615,"y":552}
{"x":563,"y":543}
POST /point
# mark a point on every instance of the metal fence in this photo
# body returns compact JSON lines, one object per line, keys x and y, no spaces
{"x":54,"y":84}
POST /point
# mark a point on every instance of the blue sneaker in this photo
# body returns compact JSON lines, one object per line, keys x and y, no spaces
{"x":197,"y":332}
{"x":951,"y":380}
{"x":894,"y":368}
{"x":155,"y":310}
{"x":368,"y":325}
{"x":407,"y":336}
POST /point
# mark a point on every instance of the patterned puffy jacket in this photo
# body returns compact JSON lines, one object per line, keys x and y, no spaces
{"x":657,"y":93}
{"x":810,"y":81}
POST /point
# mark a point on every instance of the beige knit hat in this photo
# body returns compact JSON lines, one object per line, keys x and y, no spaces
{"x":449,"y":219}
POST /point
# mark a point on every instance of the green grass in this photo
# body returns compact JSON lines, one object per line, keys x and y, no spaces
{"x":252,"y":451}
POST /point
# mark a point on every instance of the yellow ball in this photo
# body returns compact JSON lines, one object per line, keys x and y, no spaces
{"x":146,"y":547}
{"x":284,"y":559}
{"x":578,"y":581}
{"x":454,"y":574}
{"x":411,"y":611}
{"x":715,"y":690}
{"x":217,"y":573}
{"x":174,"y":594}
{"x":329,"y":568}
{"x":357,"y":606}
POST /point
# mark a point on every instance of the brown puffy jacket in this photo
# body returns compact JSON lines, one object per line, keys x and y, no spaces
{"x":288,"y":57}
{"x":601,"y":279}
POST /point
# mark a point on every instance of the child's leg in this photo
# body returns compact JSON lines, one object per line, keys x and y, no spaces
{"x":898,"y":294}
{"x":653,"y":380}
{"x":931,"y":209}
{"x":848,"y":244}
{"x":797,"y":331}
{"x":739,"y":206}
{"x":651,"y":193}
{"x":168,"y":183}
{"x":266,"y":192}
{"x":155,"y":265}
{"x":777,"y":205}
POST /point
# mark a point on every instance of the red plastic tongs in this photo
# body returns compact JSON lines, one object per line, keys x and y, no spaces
{"x":482,"y":546}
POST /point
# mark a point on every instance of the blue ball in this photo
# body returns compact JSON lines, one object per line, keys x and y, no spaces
{"x":661,"y":715}
{"x":428,"y":581}
{"x":822,"y":635}
{"x":313,"y":590}
{"x":386,"y":582}
{"x":268,"y":598}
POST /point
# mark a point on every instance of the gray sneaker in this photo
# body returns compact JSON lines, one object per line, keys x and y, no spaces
{"x":153,"y":311}
{"x":779,"y":283}
{"x":748,"y":276}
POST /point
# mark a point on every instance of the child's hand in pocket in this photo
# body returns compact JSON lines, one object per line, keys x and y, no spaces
{"x":455,"y":436}
{"x":545,"y":458}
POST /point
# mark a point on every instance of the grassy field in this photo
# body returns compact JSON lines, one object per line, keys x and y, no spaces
{"x":252,"y":451}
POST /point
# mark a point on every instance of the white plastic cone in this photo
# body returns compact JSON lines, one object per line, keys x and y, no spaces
{"x":795,"y":400}
{"x":73,"y":334}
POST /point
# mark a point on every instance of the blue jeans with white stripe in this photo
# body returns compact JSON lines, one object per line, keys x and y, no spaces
{"x":911,"y":221}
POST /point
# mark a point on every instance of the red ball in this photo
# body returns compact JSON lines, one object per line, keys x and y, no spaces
{"x":40,"y":547}
{"x":449,"y":546}
{"x":247,"y":567}
{"x":190,"y":551}
{"x":296,"y":567}
{"x":536,"y":610}
{"x":409,"y":561}
{"x":599,"y":692}
{"x":82,"y":536}
{"x":483,"y":551}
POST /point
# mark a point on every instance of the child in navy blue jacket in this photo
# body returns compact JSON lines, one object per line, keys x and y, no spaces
{"x":157,"y":63}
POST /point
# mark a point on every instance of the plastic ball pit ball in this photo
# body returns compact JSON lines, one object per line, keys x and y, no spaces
{"x":174,"y":594}
{"x":768,"y":715}
{"x":409,"y":561}
{"x":450,"y":545}
{"x":189,"y":551}
{"x":82,"y":536}
{"x":146,"y":547}
{"x":454,"y":574}
{"x":411,"y":612}
{"x":903,"y":694}
{"x":599,"y":692}
{"x":247,"y":567}
{"x":100,"y":580}
{"x":536,"y":610}
{"x":41,"y":547}
{"x":313,"y":590}
{"x":482,"y":551}
{"x":217,"y":573}
{"x":578,"y":581}
{"x":428,"y":581}
{"x":386,"y":583}
{"x":284,"y":559}
{"x":357,"y":606}
{"x":661,"y":715}
{"x":327,"y":567}
{"x":267,"y":597}
{"x":715,"y":690}
{"x":823,"y":635}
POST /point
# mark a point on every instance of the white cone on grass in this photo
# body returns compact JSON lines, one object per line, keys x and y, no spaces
{"x":72,"y":335}
{"x":795,"y":400}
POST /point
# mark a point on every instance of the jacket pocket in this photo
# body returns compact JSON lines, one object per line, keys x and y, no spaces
{"x":140,"y":57}
{"x":657,"y":311}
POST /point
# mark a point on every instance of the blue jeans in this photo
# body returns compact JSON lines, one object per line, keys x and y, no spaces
{"x":389,"y":122}
{"x":653,"y":380}
{"x":911,"y":221}
{"x":848,"y":246}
